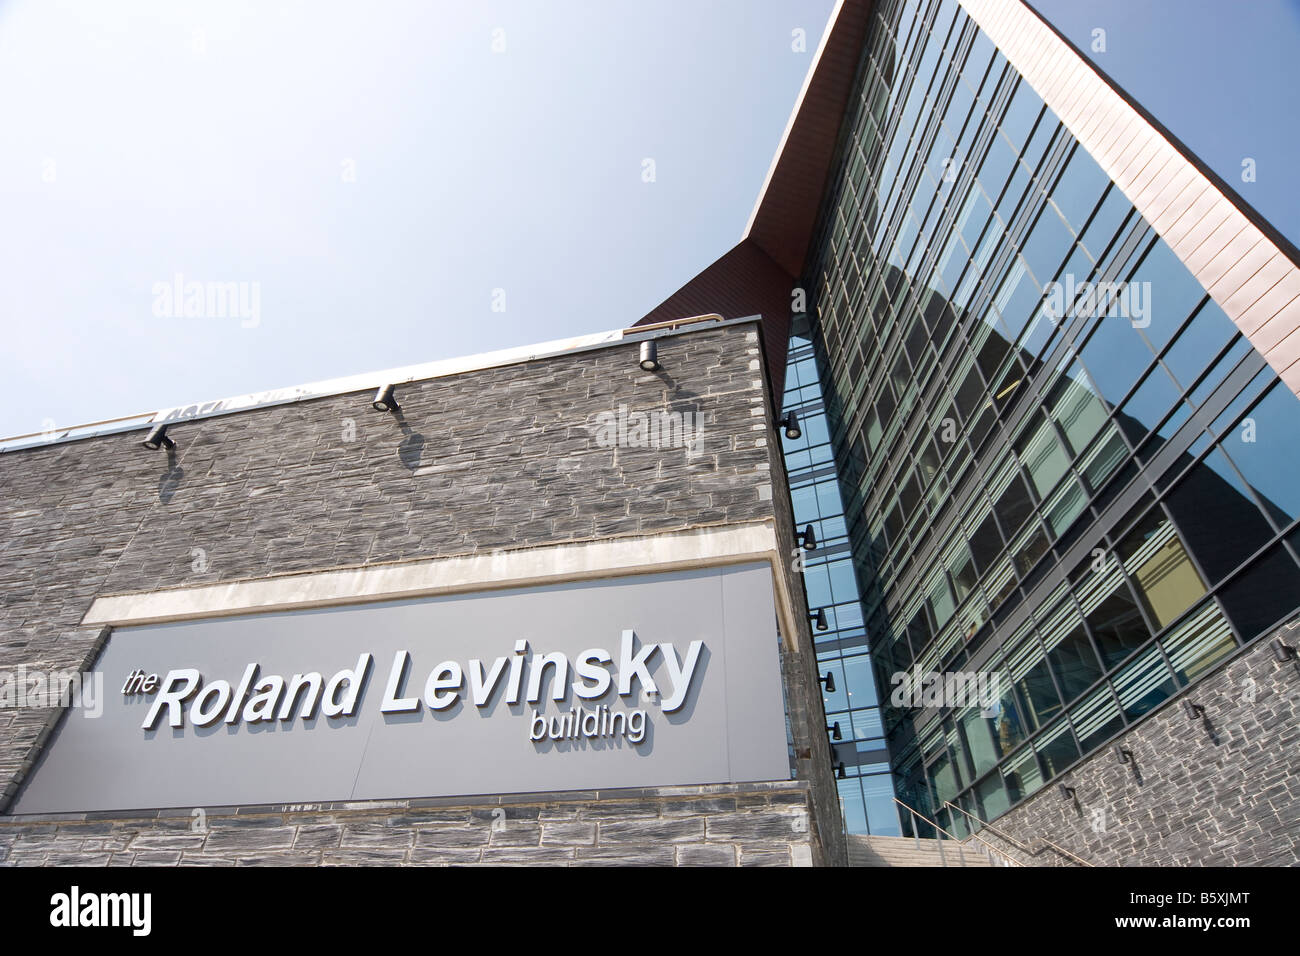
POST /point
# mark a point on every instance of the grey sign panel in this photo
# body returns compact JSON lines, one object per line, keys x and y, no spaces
{"x":451,"y":717}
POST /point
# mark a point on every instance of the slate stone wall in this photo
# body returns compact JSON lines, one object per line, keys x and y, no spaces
{"x":1223,"y":795}
{"x":749,"y":825}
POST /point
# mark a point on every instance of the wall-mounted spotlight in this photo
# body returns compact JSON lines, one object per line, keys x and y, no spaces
{"x":808,"y":540}
{"x":385,"y":400}
{"x":829,"y":681}
{"x":650,"y":356}
{"x":819,"y":619}
{"x":1197,"y":712}
{"x":791,"y":425}
{"x":839,"y":771}
{"x":834,"y":731}
{"x":1282,"y":653}
{"x":157,"y":438}
{"x":1126,"y":757}
{"x":1067,"y":792}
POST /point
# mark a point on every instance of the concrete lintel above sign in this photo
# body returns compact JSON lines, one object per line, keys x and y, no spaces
{"x":586,"y":560}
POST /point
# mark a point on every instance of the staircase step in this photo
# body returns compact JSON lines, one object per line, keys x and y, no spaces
{"x":905,"y":851}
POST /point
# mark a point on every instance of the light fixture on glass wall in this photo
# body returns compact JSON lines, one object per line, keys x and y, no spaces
{"x":385,"y":400}
{"x":791,"y":425}
{"x":840,"y":772}
{"x":649,"y":356}
{"x":829,"y":681}
{"x":834,"y":731}
{"x":157,"y":438}
{"x":820,"y":619}
{"x":808,"y":540}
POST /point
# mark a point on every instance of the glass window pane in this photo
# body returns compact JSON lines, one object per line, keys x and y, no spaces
{"x":855,"y":814}
{"x":1115,"y":356}
{"x":1073,"y":660}
{"x":1013,"y":506}
{"x":1217,"y":517}
{"x":1196,"y":644}
{"x":878,"y":795}
{"x":1102,"y":230}
{"x":1117,"y":625}
{"x":991,"y":797}
{"x":1148,"y":405}
{"x":1162,"y":573}
{"x":1041,"y":453}
{"x":986,"y":543}
{"x":1208,"y":333}
{"x":1169,"y":293}
{"x":1057,"y":749}
{"x":1004,"y":719}
{"x":979,"y":741}
{"x":1046,"y":247}
{"x":1021,"y":775}
{"x":1144,"y":684}
{"x":943,"y":779}
{"x":1266,"y":447}
{"x":1076,"y":408}
{"x":1033,"y":682}
{"x":1268,"y":592}
{"x":1079,"y":188}
{"x":1096,"y":718}
{"x":1103,"y":459}
{"x":1066,"y":505}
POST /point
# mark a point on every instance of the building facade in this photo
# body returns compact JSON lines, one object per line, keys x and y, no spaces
{"x":592,"y":541}
{"x":1049,"y":429}
{"x":1044,"y":367}
{"x":1058,"y":362}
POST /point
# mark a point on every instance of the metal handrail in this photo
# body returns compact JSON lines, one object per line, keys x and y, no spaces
{"x":917,"y":836}
{"x":1016,"y":843}
{"x":676,"y":323}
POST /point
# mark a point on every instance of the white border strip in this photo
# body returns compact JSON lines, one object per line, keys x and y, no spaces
{"x":1254,"y":282}
{"x":593,"y":560}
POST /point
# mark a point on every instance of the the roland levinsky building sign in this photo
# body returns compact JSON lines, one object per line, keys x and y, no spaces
{"x":649,"y":680}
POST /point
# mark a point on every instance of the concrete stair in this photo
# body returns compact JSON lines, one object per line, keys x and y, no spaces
{"x":904,"y":851}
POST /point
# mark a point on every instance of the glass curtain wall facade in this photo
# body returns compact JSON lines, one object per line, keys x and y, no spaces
{"x":1060,"y":461}
{"x":866,"y":790}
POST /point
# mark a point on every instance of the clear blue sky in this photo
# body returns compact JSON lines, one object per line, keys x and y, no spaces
{"x":379,"y":170}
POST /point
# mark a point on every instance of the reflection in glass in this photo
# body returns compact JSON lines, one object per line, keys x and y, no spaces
{"x":1264,"y":595}
{"x":1196,"y":644}
{"x":1144,"y":684}
{"x":1056,"y":748}
{"x":1162,"y":573}
{"x":1216,"y":516}
{"x":1117,"y":625}
{"x":1266,"y":447}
